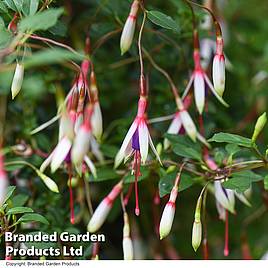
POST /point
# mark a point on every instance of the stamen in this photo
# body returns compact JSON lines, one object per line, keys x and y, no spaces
{"x":130,"y":189}
{"x":226,"y":246}
{"x":72,"y":219}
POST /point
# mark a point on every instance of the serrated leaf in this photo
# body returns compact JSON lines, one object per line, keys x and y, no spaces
{"x":231,"y":138}
{"x":30,"y":7}
{"x":40,"y":21}
{"x":163,"y":20}
{"x":33,"y":217}
{"x":50,"y":56}
{"x":19,"y":210}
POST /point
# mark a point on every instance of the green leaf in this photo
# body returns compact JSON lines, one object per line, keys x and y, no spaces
{"x":50,"y":56}
{"x":5,"y":37}
{"x":19,"y":210}
{"x":241,"y":181}
{"x":33,"y":217}
{"x":231,"y":138}
{"x":163,"y":20}
{"x":104,"y":174}
{"x":10,"y":191}
{"x":182,"y":140}
{"x":15,"y":5}
{"x":187,"y":152}
{"x":144,"y":175}
{"x":40,"y":21}
{"x":232,"y":149}
{"x":266,"y":182}
{"x":19,"y":200}
{"x":30,"y":7}
{"x":166,"y":183}
{"x":3,"y":7}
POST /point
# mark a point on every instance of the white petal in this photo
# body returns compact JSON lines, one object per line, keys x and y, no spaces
{"x":143,"y":141}
{"x":218,"y":74}
{"x":221,"y":211}
{"x":188,"y":124}
{"x":127,"y":248}
{"x":47,"y":162}
{"x":96,"y":121}
{"x":166,"y":220}
{"x":199,"y":92}
{"x":226,"y":199}
{"x":60,"y":153}
{"x":3,"y":186}
{"x":17,"y":80}
{"x":243,"y":199}
{"x":174,"y":128}
{"x":95,"y":149}
{"x":188,"y":87}
{"x":220,"y":99}
{"x":91,"y":166}
{"x":121,"y":154}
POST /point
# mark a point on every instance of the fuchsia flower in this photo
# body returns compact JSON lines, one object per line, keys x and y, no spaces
{"x":127,"y":242}
{"x":218,"y":68}
{"x":100,"y":214}
{"x":138,"y":137}
{"x":200,"y":79}
{"x":129,"y":28}
{"x":3,"y":180}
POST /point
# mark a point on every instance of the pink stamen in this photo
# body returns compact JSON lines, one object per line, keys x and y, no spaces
{"x":127,"y":197}
{"x":226,"y":246}
{"x":137,"y":174}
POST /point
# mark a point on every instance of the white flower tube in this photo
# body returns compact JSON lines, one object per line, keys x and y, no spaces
{"x":129,"y":28}
{"x":199,"y":91}
{"x":17,"y":80}
{"x":127,"y":242}
{"x":168,"y":214}
{"x":196,"y":235}
{"x":102,"y":211}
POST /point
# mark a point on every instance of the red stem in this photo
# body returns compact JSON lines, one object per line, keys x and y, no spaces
{"x":226,"y":246}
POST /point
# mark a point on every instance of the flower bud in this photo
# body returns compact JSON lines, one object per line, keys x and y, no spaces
{"x":129,"y":28}
{"x":168,"y":214}
{"x":96,"y":121}
{"x":197,"y":226}
{"x":102,"y":211}
{"x":259,"y":126}
{"x":196,"y":235}
{"x":127,"y":242}
{"x":81,"y":145}
{"x":3,"y":181}
{"x":218,"y":68}
{"x":17,"y":80}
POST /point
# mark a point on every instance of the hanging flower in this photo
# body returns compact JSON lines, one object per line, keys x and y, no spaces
{"x":100,"y":214}
{"x":127,"y":242}
{"x":129,"y":28}
{"x":199,"y":79}
{"x":17,"y":80}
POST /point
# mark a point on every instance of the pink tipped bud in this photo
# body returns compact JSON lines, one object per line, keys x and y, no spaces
{"x":3,"y":181}
{"x":81,"y":145}
{"x":129,"y":28}
{"x":102,"y":211}
{"x":168,"y":214}
{"x":218,"y":69}
{"x":127,"y":242}
{"x":17,"y":80}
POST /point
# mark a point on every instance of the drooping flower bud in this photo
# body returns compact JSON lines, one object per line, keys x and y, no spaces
{"x":17,"y":80}
{"x":259,"y":126}
{"x":127,"y":242}
{"x":218,"y":69}
{"x":102,"y":211}
{"x":129,"y":28}
{"x":168,"y":214}
{"x":3,"y":180}
{"x":197,"y":226}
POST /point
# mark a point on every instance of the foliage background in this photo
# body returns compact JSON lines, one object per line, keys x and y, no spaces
{"x":117,"y":76}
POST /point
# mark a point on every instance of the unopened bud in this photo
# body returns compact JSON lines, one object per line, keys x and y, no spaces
{"x":259,"y":126}
{"x":127,"y":242}
{"x":17,"y":80}
{"x":102,"y":211}
{"x":218,"y":68}
{"x":129,"y":28}
{"x":168,"y":214}
{"x":197,"y":226}
{"x":96,"y":121}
